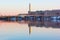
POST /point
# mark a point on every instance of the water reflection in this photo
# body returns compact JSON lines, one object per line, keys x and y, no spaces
{"x":16,"y":31}
{"x":48,"y":23}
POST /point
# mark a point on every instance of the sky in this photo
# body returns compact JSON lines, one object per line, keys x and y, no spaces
{"x":21,"y":6}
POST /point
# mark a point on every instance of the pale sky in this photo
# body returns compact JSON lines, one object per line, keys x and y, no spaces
{"x":21,"y":6}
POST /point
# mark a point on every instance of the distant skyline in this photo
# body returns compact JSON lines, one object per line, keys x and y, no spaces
{"x":21,"y":6}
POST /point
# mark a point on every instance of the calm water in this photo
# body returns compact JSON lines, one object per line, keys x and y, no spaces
{"x":16,"y":31}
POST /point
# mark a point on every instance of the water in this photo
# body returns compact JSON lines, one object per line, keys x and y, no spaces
{"x":16,"y":31}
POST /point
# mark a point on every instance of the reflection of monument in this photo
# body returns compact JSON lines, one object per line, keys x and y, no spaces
{"x":29,"y":13}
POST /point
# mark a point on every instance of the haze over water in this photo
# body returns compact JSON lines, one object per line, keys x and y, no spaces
{"x":16,"y":31}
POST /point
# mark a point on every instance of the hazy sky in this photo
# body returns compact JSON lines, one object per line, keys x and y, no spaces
{"x":21,"y":6}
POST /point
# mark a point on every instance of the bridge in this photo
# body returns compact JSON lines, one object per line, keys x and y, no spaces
{"x":46,"y":18}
